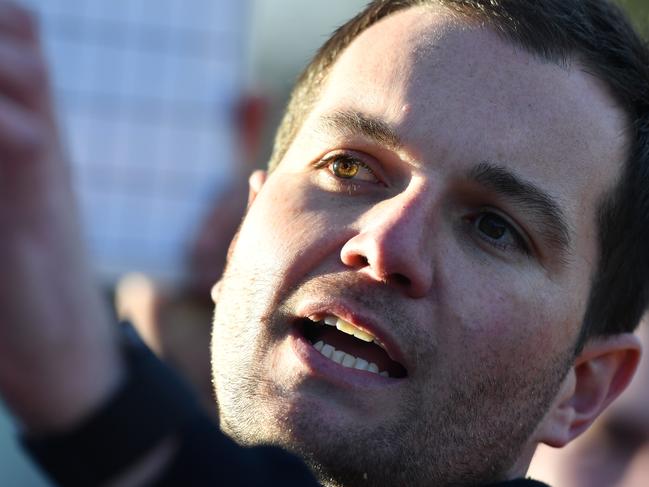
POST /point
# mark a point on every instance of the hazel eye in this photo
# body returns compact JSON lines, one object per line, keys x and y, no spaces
{"x":347,"y":166}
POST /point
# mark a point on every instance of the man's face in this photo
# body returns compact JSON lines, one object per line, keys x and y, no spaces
{"x":441,"y":198}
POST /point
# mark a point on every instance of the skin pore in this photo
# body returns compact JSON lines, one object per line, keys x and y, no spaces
{"x":441,"y":195}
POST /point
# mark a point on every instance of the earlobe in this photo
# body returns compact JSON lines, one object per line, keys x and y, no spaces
{"x":599,"y":374}
{"x":255,"y":182}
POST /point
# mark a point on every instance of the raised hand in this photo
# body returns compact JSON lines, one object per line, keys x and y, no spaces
{"x":58,"y":353}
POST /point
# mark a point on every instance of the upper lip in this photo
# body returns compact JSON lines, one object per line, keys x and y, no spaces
{"x":360,"y":319}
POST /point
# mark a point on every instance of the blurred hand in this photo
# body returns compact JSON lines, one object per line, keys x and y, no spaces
{"x":176,"y":325}
{"x":58,"y":356}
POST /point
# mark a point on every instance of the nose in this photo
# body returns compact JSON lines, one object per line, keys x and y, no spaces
{"x":393,"y":245}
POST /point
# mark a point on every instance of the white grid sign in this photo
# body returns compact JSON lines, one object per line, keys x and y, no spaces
{"x":145,"y":92}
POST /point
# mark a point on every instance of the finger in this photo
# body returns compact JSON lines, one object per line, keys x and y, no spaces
{"x":17,"y":21}
{"x":23,"y":74}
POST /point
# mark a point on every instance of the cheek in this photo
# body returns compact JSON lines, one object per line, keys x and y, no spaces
{"x":289,"y":222}
{"x":503,"y":316}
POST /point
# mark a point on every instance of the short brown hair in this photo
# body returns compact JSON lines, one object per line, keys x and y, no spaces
{"x":596,"y":34}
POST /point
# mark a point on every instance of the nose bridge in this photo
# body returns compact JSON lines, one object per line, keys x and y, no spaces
{"x":403,"y":217}
{"x":393,"y":241}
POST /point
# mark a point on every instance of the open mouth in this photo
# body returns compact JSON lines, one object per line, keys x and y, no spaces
{"x":349,"y":346}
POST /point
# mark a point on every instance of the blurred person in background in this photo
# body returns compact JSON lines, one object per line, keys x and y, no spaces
{"x":614,"y":452}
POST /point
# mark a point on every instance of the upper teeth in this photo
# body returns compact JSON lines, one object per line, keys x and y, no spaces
{"x":348,"y":328}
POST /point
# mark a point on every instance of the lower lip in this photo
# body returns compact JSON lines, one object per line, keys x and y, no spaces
{"x":326,"y":369}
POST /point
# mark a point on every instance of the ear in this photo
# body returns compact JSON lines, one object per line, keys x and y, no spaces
{"x":255,"y":182}
{"x":599,"y":374}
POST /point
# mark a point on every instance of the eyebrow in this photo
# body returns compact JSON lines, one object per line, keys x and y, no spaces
{"x":545,"y":211}
{"x":350,"y":123}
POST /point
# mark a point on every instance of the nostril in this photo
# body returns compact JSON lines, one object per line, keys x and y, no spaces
{"x":356,"y":261}
{"x":400,"y":280}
